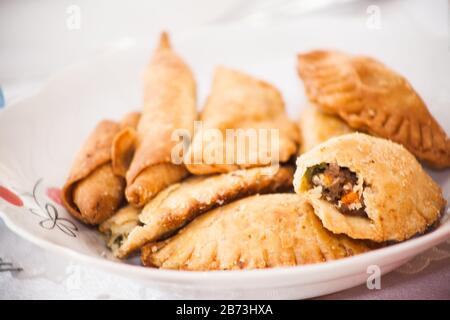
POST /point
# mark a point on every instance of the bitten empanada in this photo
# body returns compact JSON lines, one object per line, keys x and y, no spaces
{"x":371,"y":97}
{"x":169,"y":105}
{"x":237,"y":104}
{"x":317,"y":126}
{"x":178,"y":204}
{"x":265,"y":231}
{"x":368,"y":188}
{"x":118,"y":227}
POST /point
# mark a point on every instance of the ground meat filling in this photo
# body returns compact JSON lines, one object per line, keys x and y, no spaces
{"x":341,"y":187}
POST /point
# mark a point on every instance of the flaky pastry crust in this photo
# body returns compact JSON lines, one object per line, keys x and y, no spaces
{"x":371,"y":97}
{"x":401,"y":199}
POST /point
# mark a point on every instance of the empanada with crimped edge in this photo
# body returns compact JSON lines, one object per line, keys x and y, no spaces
{"x":371,"y":97}
{"x":264,"y":231}
{"x":317,"y":126}
{"x":178,"y":204}
{"x":240,"y":104}
{"x":368,"y":188}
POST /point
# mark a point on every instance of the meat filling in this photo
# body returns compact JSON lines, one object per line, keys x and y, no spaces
{"x":339,"y":186}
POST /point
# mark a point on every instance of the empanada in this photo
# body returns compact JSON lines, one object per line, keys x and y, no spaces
{"x":123,"y":146}
{"x":265,"y":231}
{"x":368,"y":188}
{"x":178,"y":204}
{"x":371,"y":97}
{"x":239,"y":104}
{"x":169,"y":105}
{"x":118,"y":227}
{"x":92,"y":193}
{"x":317,"y":126}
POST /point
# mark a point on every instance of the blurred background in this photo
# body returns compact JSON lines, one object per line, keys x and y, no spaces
{"x":40,"y":37}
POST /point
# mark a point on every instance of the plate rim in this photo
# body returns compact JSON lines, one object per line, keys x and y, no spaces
{"x":401,"y":251}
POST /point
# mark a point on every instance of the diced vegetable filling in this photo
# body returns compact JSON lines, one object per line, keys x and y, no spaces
{"x":339,"y":186}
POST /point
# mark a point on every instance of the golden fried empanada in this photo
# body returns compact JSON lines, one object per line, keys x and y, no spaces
{"x":130,"y":120}
{"x":169,"y":105}
{"x":117,"y":228}
{"x":239,"y":103}
{"x":317,"y":126}
{"x":92,"y":193}
{"x":373,"y":98}
{"x":124,"y":144}
{"x":265,"y":231}
{"x":178,"y":204}
{"x":368,"y":188}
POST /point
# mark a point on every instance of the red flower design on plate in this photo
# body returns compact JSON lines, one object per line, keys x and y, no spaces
{"x":10,"y":197}
{"x":55,"y":195}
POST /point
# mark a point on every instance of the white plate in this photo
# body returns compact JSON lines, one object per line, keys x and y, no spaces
{"x":40,"y":135}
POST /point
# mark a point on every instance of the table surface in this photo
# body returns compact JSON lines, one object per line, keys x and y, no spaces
{"x":29,"y":272}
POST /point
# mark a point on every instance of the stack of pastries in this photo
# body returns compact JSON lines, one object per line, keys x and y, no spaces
{"x":356,"y":185}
